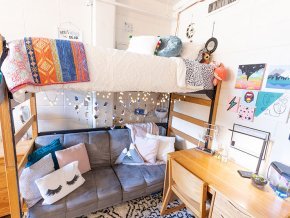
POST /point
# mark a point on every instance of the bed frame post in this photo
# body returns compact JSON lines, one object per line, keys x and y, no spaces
{"x":7,"y":128}
{"x":33,"y":111}
{"x":213,"y":112}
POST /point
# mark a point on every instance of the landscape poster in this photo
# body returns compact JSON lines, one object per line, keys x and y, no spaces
{"x":278,"y":77}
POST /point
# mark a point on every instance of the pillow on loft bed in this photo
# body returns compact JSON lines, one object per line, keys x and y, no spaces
{"x":60,"y":183}
{"x":170,"y":46}
{"x":143,"y":44}
{"x":39,"y":153}
{"x":27,"y":186}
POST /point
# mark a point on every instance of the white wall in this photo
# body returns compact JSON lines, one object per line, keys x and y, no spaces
{"x":248,"y":32}
{"x":142,"y":24}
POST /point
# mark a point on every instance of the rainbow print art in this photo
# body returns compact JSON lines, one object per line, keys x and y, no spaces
{"x":250,"y":76}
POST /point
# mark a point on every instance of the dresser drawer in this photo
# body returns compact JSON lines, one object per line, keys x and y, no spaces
{"x":223,"y":208}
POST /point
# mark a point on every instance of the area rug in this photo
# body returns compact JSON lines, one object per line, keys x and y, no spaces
{"x":147,"y":207}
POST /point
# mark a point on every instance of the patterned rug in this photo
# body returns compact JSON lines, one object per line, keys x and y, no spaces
{"x":147,"y":207}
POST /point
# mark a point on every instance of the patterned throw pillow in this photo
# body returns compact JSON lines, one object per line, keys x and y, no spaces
{"x":170,"y":46}
{"x":130,"y":157}
{"x":27,"y":186}
{"x":60,"y":183}
{"x":55,"y":145}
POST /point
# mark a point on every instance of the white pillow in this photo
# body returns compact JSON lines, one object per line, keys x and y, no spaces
{"x":143,"y":44}
{"x":166,"y":145}
{"x":60,"y":183}
{"x":148,"y":148}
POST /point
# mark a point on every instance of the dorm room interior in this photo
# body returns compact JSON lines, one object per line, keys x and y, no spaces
{"x":148,"y":108}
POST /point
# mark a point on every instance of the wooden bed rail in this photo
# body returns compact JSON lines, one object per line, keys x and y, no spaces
{"x":212,"y":103}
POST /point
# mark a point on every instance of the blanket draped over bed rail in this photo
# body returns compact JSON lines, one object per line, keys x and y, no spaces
{"x":40,"y":64}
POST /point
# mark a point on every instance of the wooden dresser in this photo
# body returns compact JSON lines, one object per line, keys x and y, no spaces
{"x":231,"y":192}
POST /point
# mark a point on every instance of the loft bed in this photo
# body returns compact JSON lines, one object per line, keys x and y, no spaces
{"x":148,"y":79}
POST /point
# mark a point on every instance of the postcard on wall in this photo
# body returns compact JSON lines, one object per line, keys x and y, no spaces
{"x":233,"y":104}
{"x":249,"y":98}
{"x":246,"y":113}
{"x":273,"y":105}
{"x":250,"y":76}
{"x":278,"y":77}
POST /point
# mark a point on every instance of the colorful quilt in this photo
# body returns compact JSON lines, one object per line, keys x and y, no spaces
{"x":41,"y":61}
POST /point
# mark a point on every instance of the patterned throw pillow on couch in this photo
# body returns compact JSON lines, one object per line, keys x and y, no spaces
{"x":27,"y":186}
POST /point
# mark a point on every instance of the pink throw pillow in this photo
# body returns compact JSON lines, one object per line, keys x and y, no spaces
{"x":75,"y":153}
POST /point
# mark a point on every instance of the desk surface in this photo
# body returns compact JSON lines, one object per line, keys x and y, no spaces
{"x":224,"y":178}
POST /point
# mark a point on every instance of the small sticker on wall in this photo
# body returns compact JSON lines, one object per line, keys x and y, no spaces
{"x":233,"y":104}
{"x":246,"y":113}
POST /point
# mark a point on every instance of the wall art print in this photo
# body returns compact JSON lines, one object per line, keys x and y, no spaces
{"x":246,"y":113}
{"x":273,"y":105}
{"x":249,"y":98}
{"x":250,"y":76}
{"x":233,"y":104}
{"x":278,"y":77}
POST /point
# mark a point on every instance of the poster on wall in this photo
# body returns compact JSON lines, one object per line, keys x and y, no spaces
{"x":250,"y":76}
{"x":278,"y":77}
{"x":233,"y":104}
{"x":273,"y":105}
{"x":249,"y":98}
{"x":246,"y":113}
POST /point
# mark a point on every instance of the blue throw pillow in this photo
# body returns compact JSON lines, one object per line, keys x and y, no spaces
{"x":39,"y":153}
{"x":170,"y":46}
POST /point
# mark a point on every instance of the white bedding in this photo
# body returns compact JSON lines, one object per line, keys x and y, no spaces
{"x":114,"y":70}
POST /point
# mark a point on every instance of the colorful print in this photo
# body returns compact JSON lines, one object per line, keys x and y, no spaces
{"x":41,"y":61}
{"x":246,"y":113}
{"x":278,"y":77}
{"x":249,"y":98}
{"x":250,"y":76}
{"x":233,"y":104}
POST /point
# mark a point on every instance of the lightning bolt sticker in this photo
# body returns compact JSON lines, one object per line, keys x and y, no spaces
{"x":233,"y":104}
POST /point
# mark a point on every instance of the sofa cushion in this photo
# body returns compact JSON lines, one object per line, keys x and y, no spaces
{"x":132,"y":181}
{"x":119,"y":139}
{"x":41,"y":141}
{"x":109,"y":189}
{"x":75,"y":138}
{"x":153,"y":174}
{"x":56,"y":210}
{"x":99,"y":149}
{"x":84,"y":199}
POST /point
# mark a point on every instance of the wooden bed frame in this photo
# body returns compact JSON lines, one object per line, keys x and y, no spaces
{"x":14,"y":162}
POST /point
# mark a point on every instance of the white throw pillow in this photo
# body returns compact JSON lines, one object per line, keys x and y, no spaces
{"x":148,"y":148}
{"x":166,"y":145}
{"x":190,"y":50}
{"x":143,"y":44}
{"x":60,"y":183}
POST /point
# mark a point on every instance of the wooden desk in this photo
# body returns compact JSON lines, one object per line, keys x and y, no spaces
{"x":224,"y":178}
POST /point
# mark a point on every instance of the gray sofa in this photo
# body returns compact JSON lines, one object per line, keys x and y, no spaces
{"x":106,"y":184}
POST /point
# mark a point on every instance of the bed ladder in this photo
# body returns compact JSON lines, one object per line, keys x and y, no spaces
{"x":212,"y":103}
{"x":11,"y":140}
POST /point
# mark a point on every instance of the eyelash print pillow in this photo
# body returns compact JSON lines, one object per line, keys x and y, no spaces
{"x":60,"y":183}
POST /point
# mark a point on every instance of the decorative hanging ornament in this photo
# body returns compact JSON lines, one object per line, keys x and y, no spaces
{"x":190,"y":30}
